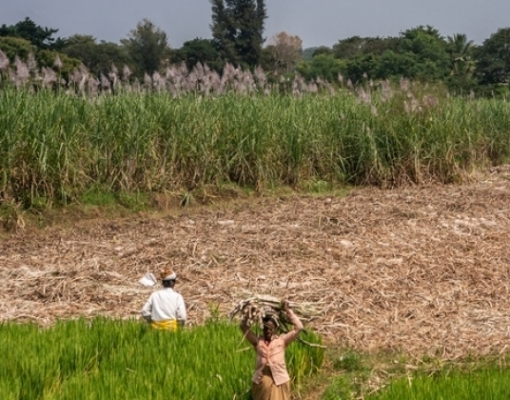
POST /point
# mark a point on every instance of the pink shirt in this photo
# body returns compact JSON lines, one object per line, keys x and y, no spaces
{"x":272,"y":354}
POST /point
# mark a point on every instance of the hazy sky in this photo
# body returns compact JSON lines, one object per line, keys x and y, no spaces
{"x":316,"y":22}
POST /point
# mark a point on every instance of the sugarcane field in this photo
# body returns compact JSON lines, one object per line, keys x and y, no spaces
{"x":422,"y":270}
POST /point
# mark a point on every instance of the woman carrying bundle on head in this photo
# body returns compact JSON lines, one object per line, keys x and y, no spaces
{"x":271,"y":380}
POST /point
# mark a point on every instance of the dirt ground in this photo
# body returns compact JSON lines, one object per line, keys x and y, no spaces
{"x":424,"y":270}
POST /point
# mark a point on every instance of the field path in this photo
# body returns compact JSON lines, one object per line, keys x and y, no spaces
{"x":420,"y":269}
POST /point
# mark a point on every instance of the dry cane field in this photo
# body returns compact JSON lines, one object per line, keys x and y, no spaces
{"x":419,"y":269}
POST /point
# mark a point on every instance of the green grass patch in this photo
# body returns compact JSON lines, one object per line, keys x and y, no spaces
{"x":384,"y":376}
{"x":113,"y":359}
{"x":489,"y":383}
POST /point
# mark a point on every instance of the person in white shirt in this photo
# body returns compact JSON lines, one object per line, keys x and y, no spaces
{"x":165,"y":308}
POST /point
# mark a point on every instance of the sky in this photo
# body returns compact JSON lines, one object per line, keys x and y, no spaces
{"x":316,"y":22}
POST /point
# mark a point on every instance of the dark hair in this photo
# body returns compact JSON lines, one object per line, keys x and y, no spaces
{"x":268,"y":318}
{"x":169,"y":283}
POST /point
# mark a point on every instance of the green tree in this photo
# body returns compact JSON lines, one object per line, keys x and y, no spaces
{"x":111,"y":54}
{"x":348,"y":48}
{"x":16,"y":46}
{"x":97,"y":57}
{"x":60,"y":63}
{"x":308,"y":53}
{"x":460,"y":50}
{"x":27,"y":29}
{"x":197,"y":51}
{"x":429,"y":50}
{"x":267,"y":61}
{"x":461,"y":79}
{"x":321,"y":50}
{"x":493,"y":59}
{"x":361,"y":68}
{"x":356,"y":46}
{"x":237,"y":28}
{"x":147,"y":47}
{"x":322,"y":66}
{"x":392,"y":65}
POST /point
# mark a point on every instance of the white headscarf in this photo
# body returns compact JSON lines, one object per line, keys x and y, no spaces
{"x":170,"y":277}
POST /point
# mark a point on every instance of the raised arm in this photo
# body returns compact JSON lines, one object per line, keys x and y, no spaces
{"x":248,"y":334}
{"x":298,"y":325}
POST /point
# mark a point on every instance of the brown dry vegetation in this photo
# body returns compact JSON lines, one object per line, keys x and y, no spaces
{"x":417,"y":269}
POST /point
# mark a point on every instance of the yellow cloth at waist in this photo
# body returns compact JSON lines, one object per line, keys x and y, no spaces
{"x":169,"y":324}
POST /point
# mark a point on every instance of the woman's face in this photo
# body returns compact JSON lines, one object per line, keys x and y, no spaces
{"x":268,"y":330}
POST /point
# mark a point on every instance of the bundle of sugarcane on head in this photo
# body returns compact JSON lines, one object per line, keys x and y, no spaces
{"x":254,"y":310}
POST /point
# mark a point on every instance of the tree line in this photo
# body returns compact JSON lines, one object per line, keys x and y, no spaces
{"x":237,"y":27}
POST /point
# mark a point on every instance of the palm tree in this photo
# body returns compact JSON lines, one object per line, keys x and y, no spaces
{"x":461,"y":51}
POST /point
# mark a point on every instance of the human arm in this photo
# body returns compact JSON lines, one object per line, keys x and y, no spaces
{"x":298,"y":325}
{"x":248,"y":333}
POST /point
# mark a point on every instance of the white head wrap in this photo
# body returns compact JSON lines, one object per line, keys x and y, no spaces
{"x":170,"y":277}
